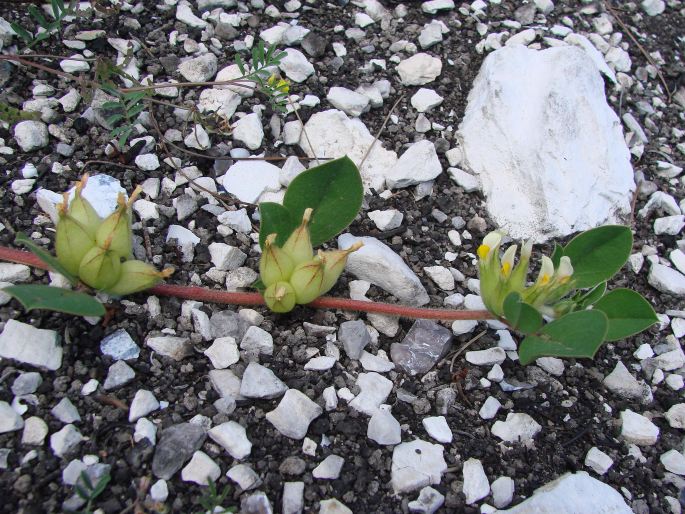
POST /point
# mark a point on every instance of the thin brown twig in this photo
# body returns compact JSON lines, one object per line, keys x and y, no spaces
{"x":628,"y":31}
{"x":304,"y":131}
{"x":464,"y":347}
{"x":380,"y":131}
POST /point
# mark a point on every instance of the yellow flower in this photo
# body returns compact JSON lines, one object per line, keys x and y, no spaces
{"x":279,"y":84}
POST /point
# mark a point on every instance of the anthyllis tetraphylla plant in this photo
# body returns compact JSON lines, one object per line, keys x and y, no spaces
{"x":90,"y":250}
{"x":570,"y":292}
{"x":318,"y":204}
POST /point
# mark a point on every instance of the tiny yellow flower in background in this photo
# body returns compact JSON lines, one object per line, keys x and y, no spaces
{"x":279,"y":84}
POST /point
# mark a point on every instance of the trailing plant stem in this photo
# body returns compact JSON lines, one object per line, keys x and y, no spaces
{"x":236,"y":298}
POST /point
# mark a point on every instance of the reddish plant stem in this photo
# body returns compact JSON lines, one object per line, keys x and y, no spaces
{"x":235,"y":298}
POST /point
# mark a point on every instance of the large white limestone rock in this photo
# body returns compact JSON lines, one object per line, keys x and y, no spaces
{"x":332,"y":134}
{"x":548,"y":148}
{"x":576,"y":493}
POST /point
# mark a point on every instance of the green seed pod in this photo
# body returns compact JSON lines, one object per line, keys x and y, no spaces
{"x":299,"y":244}
{"x":280,"y":297}
{"x":117,"y":227}
{"x":137,"y":276}
{"x":275,"y":264}
{"x":334,"y":264}
{"x":82,"y":211}
{"x":100,"y":268}
{"x":72,"y":241}
{"x":307,"y":281}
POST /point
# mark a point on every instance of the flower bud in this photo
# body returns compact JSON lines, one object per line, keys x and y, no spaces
{"x":82,"y":211}
{"x":280,"y":297}
{"x":137,"y":276}
{"x":307,"y":281}
{"x":72,"y":241}
{"x":100,"y":268}
{"x":299,"y":244}
{"x":334,"y":264}
{"x":275,"y":264}
{"x":116,"y":227}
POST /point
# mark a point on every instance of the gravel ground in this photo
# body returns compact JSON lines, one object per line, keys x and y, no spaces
{"x":571,"y":402}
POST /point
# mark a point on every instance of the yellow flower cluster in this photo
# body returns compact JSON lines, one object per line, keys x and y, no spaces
{"x":498,"y":278}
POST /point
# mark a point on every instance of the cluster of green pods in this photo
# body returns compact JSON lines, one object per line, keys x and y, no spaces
{"x":99,"y":251}
{"x":293,"y":274}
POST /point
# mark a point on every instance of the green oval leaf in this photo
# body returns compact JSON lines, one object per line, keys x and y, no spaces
{"x":334,"y":190}
{"x":597,"y":254}
{"x":37,"y":296}
{"x":44,"y":256}
{"x":275,"y":219}
{"x":578,"y":334}
{"x":520,"y":315}
{"x":593,"y":295}
{"x":628,"y":313}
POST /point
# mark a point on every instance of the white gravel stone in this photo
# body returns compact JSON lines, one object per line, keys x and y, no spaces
{"x":468,"y":182}
{"x":644,"y":351}
{"x":31,"y":135}
{"x":75,"y":64}
{"x":159,"y":491}
{"x":489,"y":408}
{"x":638,"y":429}
{"x":333,"y":506}
{"x":232,"y":437}
{"x":598,"y":461}
{"x":223,"y":352}
{"x":495,"y":355}
{"x":502,"y":492}
{"x":419,"y":69}
{"x":10,"y":421}
{"x":145,"y":429}
{"x":35,"y":430}
{"x":30,"y":345}
{"x":198,"y":138}
{"x":348,"y":101}
{"x":653,"y":7}
{"x":332,"y":134}
{"x":65,"y":411}
{"x":441,"y":276}
{"x":476,"y":485}
{"x":201,"y":469}
{"x":14,"y":273}
{"x":669,"y":225}
{"x":144,"y":402}
{"x":236,"y":220}
{"x":330,"y":398}
{"x":676,"y":415}
{"x":425,"y":99}
{"x":257,"y":341}
{"x":375,"y":262}
{"x":321,"y":363}
{"x":65,"y":440}
{"x":673,"y":461}
{"x":463,"y":326}
{"x":293,"y":498}
{"x":527,"y":199}
{"x":199,"y":69}
{"x":518,"y":427}
{"x":248,"y":131}
{"x":226,"y":257}
{"x":146,"y":209}
{"x":666,"y":280}
{"x":428,"y":502}
{"x":383,"y":428}
{"x":386,"y":220}
{"x":294,"y":414}
{"x":244,"y":476}
{"x":551,"y":365}
{"x":415,"y":465}
{"x":147,"y":162}
{"x":374,"y":390}
{"x":177,"y":348}
{"x":118,"y":374}
{"x":261,"y":382}
{"x":621,"y":382}
{"x":296,"y":66}
{"x":184,"y":14}
{"x":329,"y":468}
{"x":419,"y":163}
{"x":378,"y":363}
{"x":438,"y":429}
{"x":247,"y":180}
{"x":433,"y":6}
